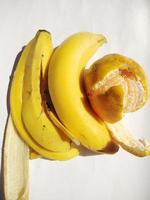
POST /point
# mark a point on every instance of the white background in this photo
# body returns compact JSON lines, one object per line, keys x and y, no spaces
{"x":126,"y":24}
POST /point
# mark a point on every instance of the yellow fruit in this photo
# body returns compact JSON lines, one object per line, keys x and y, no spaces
{"x":116,"y":84}
{"x":34,"y":117}
{"x":59,"y":125}
{"x":67,"y":92}
{"x":139,"y":147}
{"x":15,"y":165}
{"x":16,"y":107}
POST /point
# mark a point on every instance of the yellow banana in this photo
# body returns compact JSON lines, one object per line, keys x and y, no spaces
{"x":67,"y":92}
{"x":16,"y":107}
{"x":33,"y":115}
{"x":116,"y":84}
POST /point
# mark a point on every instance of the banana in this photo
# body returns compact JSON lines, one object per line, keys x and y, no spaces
{"x":34,"y":117}
{"x":67,"y":92}
{"x":88,"y":104}
{"x":16,"y":107}
{"x":115,"y":85}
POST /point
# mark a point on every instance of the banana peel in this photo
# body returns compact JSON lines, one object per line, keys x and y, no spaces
{"x":34,"y":117}
{"x":16,"y":109}
{"x":138,"y":147}
{"x":115,"y":85}
{"x":16,"y":165}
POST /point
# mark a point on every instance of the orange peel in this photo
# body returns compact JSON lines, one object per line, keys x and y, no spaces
{"x":116,"y":85}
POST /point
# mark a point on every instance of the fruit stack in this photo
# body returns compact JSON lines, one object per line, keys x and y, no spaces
{"x":57,"y":104}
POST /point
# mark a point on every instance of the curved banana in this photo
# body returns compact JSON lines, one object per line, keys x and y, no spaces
{"x":16,"y":107}
{"x":34,"y":117}
{"x":67,"y":92}
{"x":114,"y":85}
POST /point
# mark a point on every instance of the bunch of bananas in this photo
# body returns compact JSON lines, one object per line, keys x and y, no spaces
{"x":58,"y":105}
